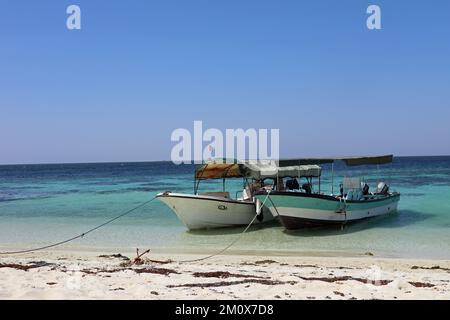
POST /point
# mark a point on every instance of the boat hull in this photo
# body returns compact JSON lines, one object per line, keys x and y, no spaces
{"x":300,"y":210}
{"x":206,"y":212}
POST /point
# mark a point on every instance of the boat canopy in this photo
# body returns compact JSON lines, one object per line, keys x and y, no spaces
{"x":255,"y":169}
{"x":219,"y":170}
{"x":349,"y":161}
{"x":259,"y":170}
{"x":297,"y":167}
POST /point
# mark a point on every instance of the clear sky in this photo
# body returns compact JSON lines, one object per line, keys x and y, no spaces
{"x":137,"y":70}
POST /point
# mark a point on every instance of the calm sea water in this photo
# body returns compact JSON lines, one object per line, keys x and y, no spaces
{"x":40,"y":204}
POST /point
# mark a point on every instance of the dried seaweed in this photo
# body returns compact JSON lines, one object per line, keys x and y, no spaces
{"x":431,"y":268}
{"x":265,"y":262}
{"x":16,"y":266}
{"x":143,"y":261}
{"x":162,"y":271}
{"x":223,"y":275}
{"x":346,"y":278}
{"x":230,"y":283}
{"x":259,"y":262}
{"x":305,"y":266}
{"x":158,"y":261}
{"x":116,"y":255}
{"x":421,"y":284}
{"x":26,"y":267}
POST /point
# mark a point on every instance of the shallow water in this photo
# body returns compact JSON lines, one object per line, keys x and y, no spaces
{"x":40,"y":204}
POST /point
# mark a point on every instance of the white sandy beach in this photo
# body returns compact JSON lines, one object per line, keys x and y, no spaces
{"x":92,"y":275}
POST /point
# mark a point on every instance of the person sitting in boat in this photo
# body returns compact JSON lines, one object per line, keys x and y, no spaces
{"x":292,"y":184}
{"x":365,"y":188}
{"x":253,"y":187}
{"x":279,"y":184}
{"x":307,"y":187}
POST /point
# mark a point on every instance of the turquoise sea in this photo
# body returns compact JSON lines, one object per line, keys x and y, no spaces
{"x":41,"y":204}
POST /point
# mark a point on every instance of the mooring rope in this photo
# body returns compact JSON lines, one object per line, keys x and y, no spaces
{"x":128,"y":212}
{"x":80,"y":235}
{"x":273,"y":204}
{"x":232,"y":242}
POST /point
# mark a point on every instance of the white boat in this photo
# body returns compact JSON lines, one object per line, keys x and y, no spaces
{"x":210,"y":211}
{"x":216,"y":209}
{"x":299,"y":207}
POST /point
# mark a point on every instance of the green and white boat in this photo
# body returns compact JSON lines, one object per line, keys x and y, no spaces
{"x":300,"y":206}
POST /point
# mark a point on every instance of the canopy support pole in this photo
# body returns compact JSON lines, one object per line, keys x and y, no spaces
{"x":332,"y":178}
{"x":195,"y":186}
{"x":197,"y":183}
{"x":390,"y":175}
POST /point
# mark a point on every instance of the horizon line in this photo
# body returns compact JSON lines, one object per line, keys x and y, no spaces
{"x":148,"y":161}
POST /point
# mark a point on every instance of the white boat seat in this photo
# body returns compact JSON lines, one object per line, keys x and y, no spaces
{"x":351,"y":183}
{"x":352,"y":187}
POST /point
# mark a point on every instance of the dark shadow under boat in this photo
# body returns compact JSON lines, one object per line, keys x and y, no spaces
{"x":234,"y":230}
{"x":399,"y":219}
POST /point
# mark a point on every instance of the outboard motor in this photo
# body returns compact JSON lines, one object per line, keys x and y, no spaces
{"x":307,"y":187}
{"x":292,"y":184}
{"x":382,"y":188}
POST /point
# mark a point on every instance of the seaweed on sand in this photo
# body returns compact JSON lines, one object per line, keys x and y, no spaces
{"x":230,"y":283}
{"x":431,"y":268}
{"x":346,"y":278}
{"x":162,"y":271}
{"x":26,"y":267}
{"x":116,"y":255}
{"x":224,"y":274}
{"x":421,"y":284}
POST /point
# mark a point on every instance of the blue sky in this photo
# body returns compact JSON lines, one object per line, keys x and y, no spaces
{"x":137,"y":70}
